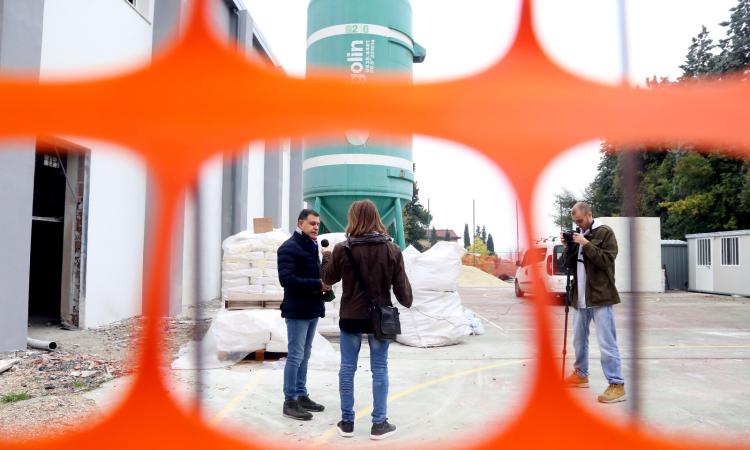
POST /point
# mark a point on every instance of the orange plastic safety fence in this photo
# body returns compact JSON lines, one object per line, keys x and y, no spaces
{"x":522,"y":112}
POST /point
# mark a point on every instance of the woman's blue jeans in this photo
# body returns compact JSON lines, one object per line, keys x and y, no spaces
{"x":350,"y":345}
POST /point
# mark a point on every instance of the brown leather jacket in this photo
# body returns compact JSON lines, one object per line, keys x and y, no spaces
{"x":381,"y":265}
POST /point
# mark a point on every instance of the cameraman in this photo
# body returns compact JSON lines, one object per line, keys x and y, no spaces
{"x":591,"y":258}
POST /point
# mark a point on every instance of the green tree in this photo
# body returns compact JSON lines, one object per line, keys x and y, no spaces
{"x":701,"y":59}
{"x":467,"y":239}
{"x":605,"y":192}
{"x":564,"y":201}
{"x":490,"y":245}
{"x":478,"y":246}
{"x":433,"y":237}
{"x":735,"y":48}
{"x":416,"y":220}
{"x":484,"y":233}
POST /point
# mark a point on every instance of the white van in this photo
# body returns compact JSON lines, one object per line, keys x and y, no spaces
{"x":546,"y":254}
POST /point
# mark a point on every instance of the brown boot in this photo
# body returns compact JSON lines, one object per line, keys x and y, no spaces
{"x":613,"y":394}
{"x":576,"y":380}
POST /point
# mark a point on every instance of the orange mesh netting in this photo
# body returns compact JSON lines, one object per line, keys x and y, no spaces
{"x":522,"y":113}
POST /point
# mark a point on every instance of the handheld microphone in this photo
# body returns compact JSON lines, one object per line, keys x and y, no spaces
{"x":324,"y":243}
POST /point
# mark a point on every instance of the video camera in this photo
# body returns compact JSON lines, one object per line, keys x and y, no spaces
{"x":568,"y":236}
{"x":571,"y":250}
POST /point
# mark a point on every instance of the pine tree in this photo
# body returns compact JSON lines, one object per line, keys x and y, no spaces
{"x":735,"y":48}
{"x":564,"y":201}
{"x":467,"y":239}
{"x":416,"y":220}
{"x":484,"y":233}
{"x":490,"y":245}
{"x":701,"y":59}
{"x":433,"y":236}
{"x":605,"y":192}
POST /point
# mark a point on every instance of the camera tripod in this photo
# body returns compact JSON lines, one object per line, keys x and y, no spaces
{"x":567,"y":309}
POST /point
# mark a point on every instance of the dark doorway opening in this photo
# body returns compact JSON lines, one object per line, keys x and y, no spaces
{"x":47,"y":236}
{"x":57,"y":282}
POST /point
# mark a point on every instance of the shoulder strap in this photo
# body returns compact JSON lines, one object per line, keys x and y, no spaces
{"x":357,"y":274}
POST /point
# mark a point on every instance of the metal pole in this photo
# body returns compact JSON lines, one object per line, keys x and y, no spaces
{"x":518,"y":250}
{"x":630,"y":170}
{"x":474,"y":228}
{"x":198,"y":286}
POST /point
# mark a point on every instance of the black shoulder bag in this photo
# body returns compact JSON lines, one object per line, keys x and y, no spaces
{"x":384,"y":319}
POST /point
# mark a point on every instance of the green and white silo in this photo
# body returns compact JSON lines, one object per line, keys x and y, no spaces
{"x":361,"y":38}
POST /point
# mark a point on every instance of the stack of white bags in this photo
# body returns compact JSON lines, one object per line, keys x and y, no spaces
{"x":249,"y":268}
{"x":249,"y":272}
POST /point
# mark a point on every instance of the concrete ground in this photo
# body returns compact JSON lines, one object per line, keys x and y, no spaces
{"x":435,"y":393}
{"x":694,"y":365}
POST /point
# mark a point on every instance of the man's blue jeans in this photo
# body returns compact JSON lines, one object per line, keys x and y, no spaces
{"x":350,"y":345}
{"x":300,"y":334}
{"x":604,"y":321}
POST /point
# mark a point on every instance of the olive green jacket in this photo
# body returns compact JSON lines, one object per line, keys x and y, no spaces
{"x":599,"y":260}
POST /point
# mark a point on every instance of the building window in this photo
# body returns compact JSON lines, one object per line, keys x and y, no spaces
{"x":730,"y":251}
{"x":51,"y":161}
{"x":142,"y":7}
{"x":704,"y":252}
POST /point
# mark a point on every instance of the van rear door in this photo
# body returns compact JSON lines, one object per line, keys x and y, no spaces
{"x":533,"y":257}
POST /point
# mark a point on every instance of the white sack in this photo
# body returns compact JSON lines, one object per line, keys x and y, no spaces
{"x":235,"y":282}
{"x":475,"y":325}
{"x":235,"y":334}
{"x":437,"y":269}
{"x":434,"y":319}
{"x":243,"y":273}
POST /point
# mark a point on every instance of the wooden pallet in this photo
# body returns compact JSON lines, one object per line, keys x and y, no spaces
{"x":262,"y":355}
{"x":234,"y":305}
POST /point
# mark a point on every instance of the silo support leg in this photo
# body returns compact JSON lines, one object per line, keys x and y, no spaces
{"x":399,"y":215}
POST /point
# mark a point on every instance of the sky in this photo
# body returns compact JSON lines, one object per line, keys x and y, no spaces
{"x":464,"y":37}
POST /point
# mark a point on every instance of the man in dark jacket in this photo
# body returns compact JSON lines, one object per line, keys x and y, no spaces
{"x":299,"y":274}
{"x":593,"y":293}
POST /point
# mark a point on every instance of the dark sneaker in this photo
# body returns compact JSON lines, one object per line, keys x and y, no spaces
{"x":346,"y":429}
{"x":309,"y":405}
{"x":382,"y":430}
{"x":294,"y":411}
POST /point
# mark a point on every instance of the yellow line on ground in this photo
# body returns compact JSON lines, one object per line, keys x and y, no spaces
{"x":411,"y":390}
{"x":257,"y":378}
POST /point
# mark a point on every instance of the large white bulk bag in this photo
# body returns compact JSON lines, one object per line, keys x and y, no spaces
{"x":434,"y":319}
{"x":437,"y":269}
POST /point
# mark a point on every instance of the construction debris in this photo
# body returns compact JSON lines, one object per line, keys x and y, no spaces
{"x":6,"y":364}
{"x":43,"y":393}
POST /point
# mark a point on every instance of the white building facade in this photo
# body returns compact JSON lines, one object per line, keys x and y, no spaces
{"x":77,"y":212}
